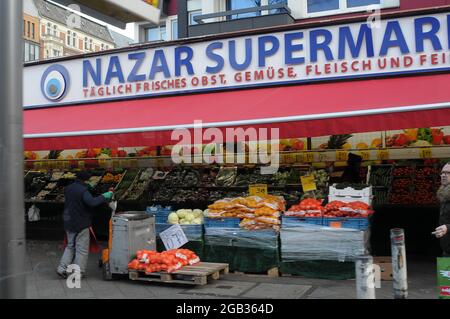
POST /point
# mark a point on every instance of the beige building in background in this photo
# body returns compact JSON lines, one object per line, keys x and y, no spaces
{"x":61,"y":32}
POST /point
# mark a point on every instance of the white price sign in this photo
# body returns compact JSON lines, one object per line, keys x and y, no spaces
{"x":173,"y":237}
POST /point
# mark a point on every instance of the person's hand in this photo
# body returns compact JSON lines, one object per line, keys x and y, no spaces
{"x":441,"y":231}
{"x":108,"y":195}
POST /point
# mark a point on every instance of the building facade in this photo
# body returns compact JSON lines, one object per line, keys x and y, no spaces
{"x":179,"y":16}
{"x":64,"y":33}
{"x":31,"y":34}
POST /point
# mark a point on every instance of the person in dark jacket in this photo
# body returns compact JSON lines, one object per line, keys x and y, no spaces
{"x":77,"y":220}
{"x":352,"y":171}
{"x":443,"y":231}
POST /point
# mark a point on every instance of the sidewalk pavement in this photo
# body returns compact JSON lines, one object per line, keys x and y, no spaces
{"x":43,"y":283}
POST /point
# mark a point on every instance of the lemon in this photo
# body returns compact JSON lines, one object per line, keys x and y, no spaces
{"x":347,"y":146}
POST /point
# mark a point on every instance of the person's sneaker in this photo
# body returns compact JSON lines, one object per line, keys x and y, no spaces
{"x":62,"y":274}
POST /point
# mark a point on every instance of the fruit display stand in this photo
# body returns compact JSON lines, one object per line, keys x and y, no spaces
{"x":411,"y":204}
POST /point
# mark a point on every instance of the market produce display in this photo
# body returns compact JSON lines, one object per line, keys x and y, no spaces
{"x":186,"y":217}
{"x":381,"y":175}
{"x":355,"y":209}
{"x":108,"y":181}
{"x":306,"y":208}
{"x":139,"y":185}
{"x":256,"y":212}
{"x":121,"y":190}
{"x":168,"y":261}
{"x":414,"y":185}
{"x":226,"y":176}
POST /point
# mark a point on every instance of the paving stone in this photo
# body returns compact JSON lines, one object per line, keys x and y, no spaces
{"x":277,"y":291}
{"x":223,"y":288}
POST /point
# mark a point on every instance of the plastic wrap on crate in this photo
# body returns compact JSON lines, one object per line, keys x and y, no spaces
{"x":192,"y":232}
{"x":229,"y":222}
{"x":312,"y":242}
{"x":237,"y":237}
{"x":294,"y":221}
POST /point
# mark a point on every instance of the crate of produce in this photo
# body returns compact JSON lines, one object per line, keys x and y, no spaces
{"x":339,"y":190}
{"x":230,"y":222}
{"x":343,"y":222}
{"x":294,"y":221}
{"x":161,"y":213}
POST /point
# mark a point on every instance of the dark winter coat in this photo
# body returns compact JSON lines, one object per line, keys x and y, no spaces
{"x":78,"y":202}
{"x":444,"y":217}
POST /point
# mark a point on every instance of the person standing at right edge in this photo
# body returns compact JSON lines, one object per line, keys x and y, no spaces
{"x":443,"y":194}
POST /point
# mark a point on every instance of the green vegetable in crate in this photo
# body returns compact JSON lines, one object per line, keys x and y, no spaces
{"x":186,"y":217}
{"x":173,"y":218}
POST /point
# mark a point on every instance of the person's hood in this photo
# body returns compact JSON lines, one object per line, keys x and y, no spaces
{"x":443,"y":193}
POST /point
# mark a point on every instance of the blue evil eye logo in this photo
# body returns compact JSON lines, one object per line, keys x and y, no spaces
{"x":55,"y":83}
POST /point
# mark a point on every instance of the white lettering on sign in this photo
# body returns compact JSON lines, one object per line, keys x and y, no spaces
{"x":401,"y":45}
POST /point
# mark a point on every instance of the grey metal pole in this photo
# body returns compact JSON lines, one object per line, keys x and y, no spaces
{"x":365,"y":278}
{"x":399,"y":272}
{"x":12,"y":225}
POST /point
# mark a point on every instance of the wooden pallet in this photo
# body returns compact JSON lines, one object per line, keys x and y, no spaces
{"x":197,"y":274}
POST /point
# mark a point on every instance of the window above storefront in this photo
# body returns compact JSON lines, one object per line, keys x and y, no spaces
{"x":318,"y":8}
{"x":157,"y":33}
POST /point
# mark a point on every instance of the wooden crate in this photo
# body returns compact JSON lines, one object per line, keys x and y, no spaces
{"x":197,"y":274}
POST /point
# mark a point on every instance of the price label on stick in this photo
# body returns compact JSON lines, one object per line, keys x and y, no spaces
{"x":257,"y":190}
{"x":173,"y":237}
{"x":308,"y":183}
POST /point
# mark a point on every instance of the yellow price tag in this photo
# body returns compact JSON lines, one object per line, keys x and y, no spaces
{"x":38,"y":165}
{"x":133,"y":163}
{"x":365,"y":155}
{"x":323,"y":157}
{"x":81,"y":164}
{"x":307,"y":157}
{"x":291,"y":158}
{"x":60,"y":165}
{"x":115,"y":163}
{"x":308,"y":183}
{"x":341,"y":156}
{"x":257,"y":190}
{"x":45,"y":165}
{"x":102,"y":162}
{"x":383,"y":155}
{"x":426,"y":153}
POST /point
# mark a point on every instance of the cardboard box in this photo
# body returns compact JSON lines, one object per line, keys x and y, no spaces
{"x":385,"y":264}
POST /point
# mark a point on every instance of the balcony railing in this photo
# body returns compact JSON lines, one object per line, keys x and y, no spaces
{"x":52,"y":37}
{"x":280,"y":7}
{"x":277,"y":14}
